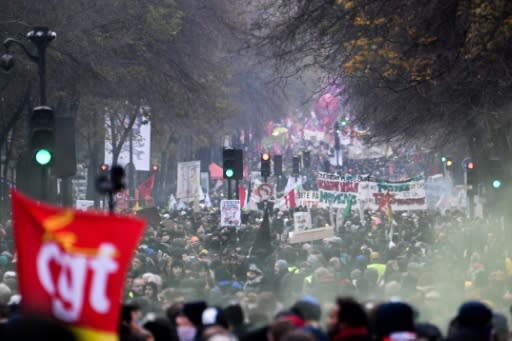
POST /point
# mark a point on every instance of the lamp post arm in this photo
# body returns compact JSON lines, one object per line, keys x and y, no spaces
{"x":11,"y":41}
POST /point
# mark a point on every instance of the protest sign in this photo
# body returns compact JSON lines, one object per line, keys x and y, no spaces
{"x":301,"y":221}
{"x":312,"y":234}
{"x":84,"y":205}
{"x":188,"y":180}
{"x":230,"y":214}
{"x":72,"y":264}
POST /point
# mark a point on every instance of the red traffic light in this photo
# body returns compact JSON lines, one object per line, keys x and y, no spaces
{"x":265,"y":156}
{"x":155,"y":168}
{"x":471,"y":165}
{"x":104,"y":167}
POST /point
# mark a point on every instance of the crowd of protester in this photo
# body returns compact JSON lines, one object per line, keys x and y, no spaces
{"x":191,"y":280}
{"x":427,"y":276}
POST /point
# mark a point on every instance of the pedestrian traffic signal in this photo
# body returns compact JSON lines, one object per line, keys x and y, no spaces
{"x":265,"y":165}
{"x":296,"y":166}
{"x":278,"y":165}
{"x":42,"y":138}
{"x":232,"y":164}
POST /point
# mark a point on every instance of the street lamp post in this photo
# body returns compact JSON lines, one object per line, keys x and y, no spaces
{"x":41,"y":37}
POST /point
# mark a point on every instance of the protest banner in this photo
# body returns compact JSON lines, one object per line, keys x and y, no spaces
{"x":188,"y":180}
{"x":404,"y":196}
{"x":72,"y":264}
{"x":307,"y":199}
{"x":301,"y":221}
{"x":230,"y":214}
{"x":335,"y":191}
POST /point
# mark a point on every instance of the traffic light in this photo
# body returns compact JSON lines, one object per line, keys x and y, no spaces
{"x":496,"y":174}
{"x":443,"y":159}
{"x":448,"y":163}
{"x":278,"y":165}
{"x":496,"y":183}
{"x":232,"y":164}
{"x":42,"y":138}
{"x":265,"y":165}
{"x":110,"y":182}
{"x":155,"y":168}
{"x":65,"y":146}
{"x":296,"y":166}
{"x":471,"y":177}
{"x":306,"y":159}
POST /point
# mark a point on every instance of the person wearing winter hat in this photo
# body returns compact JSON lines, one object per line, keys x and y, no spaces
{"x":254,"y":279}
{"x":236,"y":320}
{"x":279,"y":279}
{"x":309,"y":309}
{"x":473,"y":322}
{"x":214,"y":316}
{"x":347,"y":321}
{"x":394,"y":320}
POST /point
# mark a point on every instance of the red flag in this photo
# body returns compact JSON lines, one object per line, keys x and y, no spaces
{"x":242,"y":194}
{"x":145,"y":189}
{"x":385,"y":201}
{"x":72,"y":264}
{"x":290,"y":199}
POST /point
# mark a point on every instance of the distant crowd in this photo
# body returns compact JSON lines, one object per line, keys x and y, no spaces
{"x":191,"y":280}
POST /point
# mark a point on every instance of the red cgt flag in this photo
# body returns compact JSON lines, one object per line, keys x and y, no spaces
{"x":72,"y":264}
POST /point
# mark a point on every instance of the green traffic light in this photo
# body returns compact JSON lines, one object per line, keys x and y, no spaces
{"x":443,"y":159}
{"x":230,"y":173}
{"x":43,"y":156}
{"x":496,"y":183}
